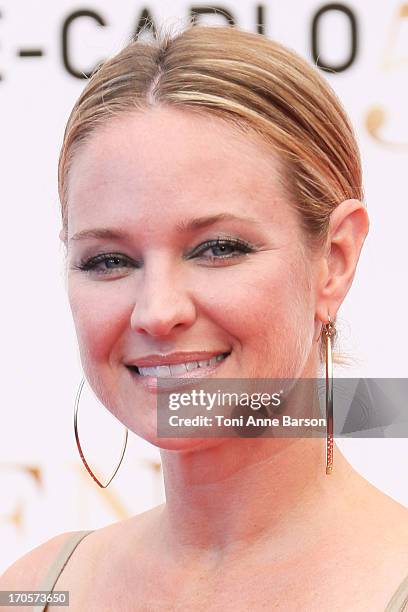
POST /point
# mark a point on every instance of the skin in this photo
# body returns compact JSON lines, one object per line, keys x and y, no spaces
{"x":235,"y":508}
{"x":165,"y":300}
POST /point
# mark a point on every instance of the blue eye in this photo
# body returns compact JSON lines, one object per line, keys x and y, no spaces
{"x":222,"y":248}
{"x":112,"y":262}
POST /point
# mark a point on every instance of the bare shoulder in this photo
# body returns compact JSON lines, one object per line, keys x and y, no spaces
{"x":28,"y":571}
{"x":381,"y":544}
{"x":117,"y":539}
{"x":386,"y":523}
{"x":100,"y":568}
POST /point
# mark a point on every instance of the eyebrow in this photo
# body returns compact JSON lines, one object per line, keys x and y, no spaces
{"x":181,"y":227}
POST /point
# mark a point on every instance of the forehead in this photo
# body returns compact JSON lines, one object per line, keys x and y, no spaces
{"x":154,"y":166}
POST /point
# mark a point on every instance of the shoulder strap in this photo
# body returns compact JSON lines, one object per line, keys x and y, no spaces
{"x":399,"y":600}
{"x":59,"y":563}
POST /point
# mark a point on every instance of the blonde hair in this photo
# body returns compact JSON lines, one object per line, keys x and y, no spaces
{"x":250,"y":81}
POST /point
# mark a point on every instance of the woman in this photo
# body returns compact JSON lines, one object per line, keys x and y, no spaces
{"x":211,"y":199}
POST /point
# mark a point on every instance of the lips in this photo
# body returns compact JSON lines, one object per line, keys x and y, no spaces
{"x":179,"y":369}
{"x":176,"y":382}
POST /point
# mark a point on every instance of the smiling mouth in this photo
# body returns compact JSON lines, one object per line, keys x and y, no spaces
{"x":178,"y":369}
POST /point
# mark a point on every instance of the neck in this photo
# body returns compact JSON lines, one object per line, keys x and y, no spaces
{"x":242,"y":493}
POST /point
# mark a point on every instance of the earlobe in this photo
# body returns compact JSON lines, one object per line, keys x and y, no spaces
{"x":349,"y":224}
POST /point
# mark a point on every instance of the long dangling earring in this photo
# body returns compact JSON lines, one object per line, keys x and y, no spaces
{"x":329,"y":331}
{"x":81,"y":454}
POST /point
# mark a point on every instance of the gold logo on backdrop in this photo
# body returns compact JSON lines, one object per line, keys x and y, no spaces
{"x":112,"y":500}
{"x":109,"y":497}
{"x":390,"y":60}
{"x":16,"y":516}
{"x":377,"y":116}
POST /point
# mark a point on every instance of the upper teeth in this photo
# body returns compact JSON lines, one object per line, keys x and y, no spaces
{"x":177,"y":369}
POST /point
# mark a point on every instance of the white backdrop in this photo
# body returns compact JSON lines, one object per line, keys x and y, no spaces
{"x":43,"y":487}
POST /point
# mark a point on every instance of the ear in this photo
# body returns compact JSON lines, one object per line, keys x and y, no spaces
{"x":349,"y":224}
{"x":63,"y":235}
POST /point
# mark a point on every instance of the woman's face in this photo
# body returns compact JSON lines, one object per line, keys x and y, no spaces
{"x":181,"y":240}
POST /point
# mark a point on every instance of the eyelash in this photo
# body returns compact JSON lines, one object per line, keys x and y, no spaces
{"x":89,"y":265}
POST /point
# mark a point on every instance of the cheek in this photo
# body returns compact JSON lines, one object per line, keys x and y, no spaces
{"x":266,"y":293}
{"x":101,"y":313}
{"x":267,"y":307}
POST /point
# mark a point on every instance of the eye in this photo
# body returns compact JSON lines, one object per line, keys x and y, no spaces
{"x":221,"y":249}
{"x":105,"y":263}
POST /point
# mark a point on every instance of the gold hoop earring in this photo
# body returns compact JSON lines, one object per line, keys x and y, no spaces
{"x":329,"y":331}
{"x":81,"y":454}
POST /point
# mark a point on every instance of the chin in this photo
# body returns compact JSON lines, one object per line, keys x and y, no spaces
{"x":184,"y":444}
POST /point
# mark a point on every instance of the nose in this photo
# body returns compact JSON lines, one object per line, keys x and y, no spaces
{"x":162,"y":302}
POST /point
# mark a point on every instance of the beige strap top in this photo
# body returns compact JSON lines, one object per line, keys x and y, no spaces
{"x":397,"y":602}
{"x":59,"y":563}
